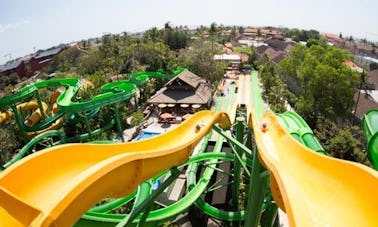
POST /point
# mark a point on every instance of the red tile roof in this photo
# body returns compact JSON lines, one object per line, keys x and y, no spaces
{"x":353,"y":66}
{"x":250,"y":30}
{"x":333,"y":37}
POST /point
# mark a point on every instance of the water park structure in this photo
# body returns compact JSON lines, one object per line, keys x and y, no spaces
{"x":275,"y":161}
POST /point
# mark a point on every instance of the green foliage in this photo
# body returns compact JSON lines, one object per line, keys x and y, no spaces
{"x":137,"y":118}
{"x":346,"y":142}
{"x":373,"y":66}
{"x":9,"y":141}
{"x":243,"y":50}
{"x":66,"y":61}
{"x":199,"y":59}
{"x":175,"y":39}
{"x":275,"y":90}
{"x":302,"y":35}
{"x":327,"y":84}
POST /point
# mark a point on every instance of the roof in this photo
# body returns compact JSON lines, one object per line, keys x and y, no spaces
{"x":200,"y":94}
{"x":273,"y":55}
{"x":353,"y":66}
{"x":187,"y":77}
{"x":365,"y":103}
{"x":11,"y":65}
{"x":271,"y":32}
{"x":250,"y":30}
{"x":278,"y":44}
{"x":48,"y":53}
{"x":261,"y":49}
{"x":333,"y":37}
{"x":372,"y":77}
{"x":227,"y":57}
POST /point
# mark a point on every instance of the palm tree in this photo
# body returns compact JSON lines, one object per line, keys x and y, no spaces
{"x":213,"y":31}
{"x":167,"y":25}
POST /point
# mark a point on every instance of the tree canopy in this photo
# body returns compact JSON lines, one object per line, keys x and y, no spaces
{"x":326,"y":84}
{"x":302,"y":35}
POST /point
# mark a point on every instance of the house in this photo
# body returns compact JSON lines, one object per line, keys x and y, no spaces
{"x":185,"y":90}
{"x":367,"y":99}
{"x":280,"y":45}
{"x":233,"y":59}
{"x":353,"y":66}
{"x":26,"y":66}
{"x":270,"y":32}
{"x":364,"y":102}
{"x":250,"y":32}
{"x":15,"y":66}
{"x":43,"y":59}
{"x":332,"y":38}
{"x":272,"y":54}
{"x":372,"y":77}
{"x":227,"y":57}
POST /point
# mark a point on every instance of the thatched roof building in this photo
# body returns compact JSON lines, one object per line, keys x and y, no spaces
{"x":185,"y":88}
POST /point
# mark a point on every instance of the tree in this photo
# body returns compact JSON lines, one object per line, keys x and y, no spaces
{"x":213,"y":31}
{"x":373,"y":66}
{"x":327,"y":85}
{"x":275,"y":90}
{"x":137,"y":118}
{"x":167,"y":26}
{"x":233,"y":33}
{"x":66,"y":60}
{"x":258,"y":32}
{"x":153,"y":34}
{"x":198,"y":58}
{"x":345,"y":142}
{"x":302,"y":35}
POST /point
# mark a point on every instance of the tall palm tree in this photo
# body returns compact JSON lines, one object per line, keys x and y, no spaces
{"x":213,"y":31}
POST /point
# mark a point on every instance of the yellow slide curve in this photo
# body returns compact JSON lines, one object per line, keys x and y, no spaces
{"x":314,"y":189}
{"x":36,"y":116}
{"x":56,"y":186}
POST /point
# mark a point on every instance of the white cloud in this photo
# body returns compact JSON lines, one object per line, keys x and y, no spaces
{"x":13,"y":25}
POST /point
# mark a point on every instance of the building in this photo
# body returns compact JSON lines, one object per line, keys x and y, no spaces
{"x":43,"y":59}
{"x":332,"y":38}
{"x":29,"y":64}
{"x":184,"y":90}
{"x":353,"y":66}
{"x":273,"y":55}
{"x":15,"y":66}
{"x":367,"y":99}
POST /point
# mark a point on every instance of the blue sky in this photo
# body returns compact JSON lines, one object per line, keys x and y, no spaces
{"x":40,"y":24}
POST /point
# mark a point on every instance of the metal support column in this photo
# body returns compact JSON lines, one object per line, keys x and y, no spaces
{"x":118,"y":123}
{"x":237,"y":165}
{"x":145,"y":205}
{"x":256,"y":192}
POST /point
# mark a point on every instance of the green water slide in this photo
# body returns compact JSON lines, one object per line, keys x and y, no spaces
{"x":299,"y":129}
{"x":112,"y":93}
{"x":140,"y":78}
{"x":102,"y":215}
{"x":72,"y":86}
{"x":370,"y":127}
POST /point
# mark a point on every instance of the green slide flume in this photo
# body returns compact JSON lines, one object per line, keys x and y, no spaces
{"x":370,"y":127}
{"x":300,"y":130}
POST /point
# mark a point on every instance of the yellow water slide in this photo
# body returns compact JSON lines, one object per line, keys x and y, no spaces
{"x":4,"y":116}
{"x":57,"y":185}
{"x":314,"y":189}
{"x":36,"y":115}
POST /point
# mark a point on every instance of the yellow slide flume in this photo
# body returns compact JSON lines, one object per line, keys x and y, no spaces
{"x":314,"y":189}
{"x":56,"y":186}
